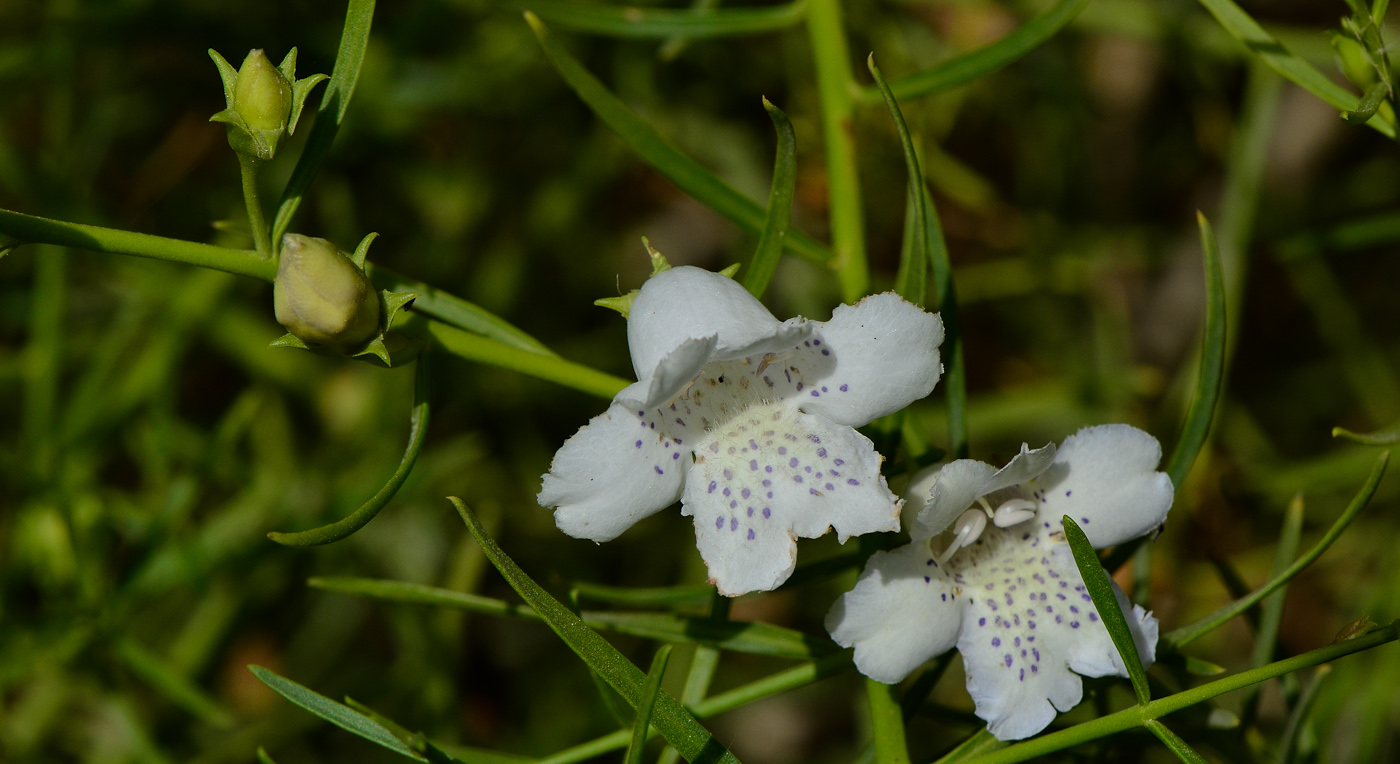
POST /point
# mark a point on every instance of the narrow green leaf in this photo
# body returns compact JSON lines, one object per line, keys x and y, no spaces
{"x":1386,"y":436}
{"x":955,"y":368}
{"x":171,"y":683}
{"x":674,"y":722}
{"x":435,"y":750}
{"x":685,"y":172}
{"x":738,"y":636}
{"x":652,"y":23}
{"x":979,"y":743}
{"x":886,"y":724}
{"x":1105,"y":599}
{"x":335,"y":99}
{"x":727,"y":701}
{"x":263,"y":758}
{"x":775,"y":223}
{"x":985,"y":60}
{"x":662,"y":597}
{"x":1136,"y":716}
{"x":911,"y":282}
{"x":1370,"y":102}
{"x":474,"y":347}
{"x":702,"y":670}
{"x":1298,"y":718}
{"x":417,"y":432}
{"x":642,"y":723}
{"x":1244,"y":28}
{"x":1187,"y":634}
{"x":454,"y":311}
{"x":1271,"y":612}
{"x":1212,"y":365}
{"x":1178,"y":746}
{"x":336,"y":713}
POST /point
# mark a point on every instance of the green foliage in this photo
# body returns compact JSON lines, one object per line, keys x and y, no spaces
{"x":1028,"y":170}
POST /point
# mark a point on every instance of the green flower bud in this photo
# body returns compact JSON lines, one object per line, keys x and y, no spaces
{"x":262,"y":96}
{"x":322,"y":297}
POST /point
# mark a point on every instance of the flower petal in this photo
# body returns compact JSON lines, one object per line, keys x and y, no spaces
{"x":689,"y":303}
{"x":1022,"y":468}
{"x":953,"y":490}
{"x":673,"y":372}
{"x":1031,"y":624}
{"x":614,"y":471}
{"x":1104,"y":477}
{"x":902,"y":612}
{"x":775,"y":473}
{"x":885,"y":353}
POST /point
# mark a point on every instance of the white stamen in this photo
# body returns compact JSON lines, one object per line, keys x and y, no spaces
{"x":1013,"y":512}
{"x":985,"y":506}
{"x":968,"y":527}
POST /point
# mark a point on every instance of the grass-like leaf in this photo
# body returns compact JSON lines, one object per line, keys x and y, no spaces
{"x":1386,"y":436}
{"x":738,"y":636}
{"x":1173,"y":741}
{"x":661,"y":23}
{"x":674,"y":722}
{"x":171,"y":683}
{"x":417,"y":432}
{"x":1302,"y":709}
{"x":642,"y":723}
{"x":685,"y":172}
{"x":1106,"y":602}
{"x":354,"y":39}
{"x":336,"y":713}
{"x":775,"y":224}
{"x":911,"y":282}
{"x":1212,"y":365}
{"x":1136,"y":716}
{"x":1260,"y":43}
{"x":685,"y":595}
{"x":1183,"y":636}
{"x":987,"y":59}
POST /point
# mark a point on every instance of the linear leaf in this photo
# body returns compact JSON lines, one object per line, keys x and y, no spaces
{"x":661,"y":596}
{"x":985,"y":60}
{"x":1178,"y":746}
{"x":1302,"y":709}
{"x":336,"y":713}
{"x":417,"y":432}
{"x":685,"y":172}
{"x":174,"y":685}
{"x":1386,"y":436}
{"x":911,"y":282}
{"x":1260,"y":43}
{"x":738,"y":636}
{"x":1136,"y":716}
{"x":674,"y":722}
{"x":642,"y":723}
{"x":1183,"y":636}
{"x":955,"y":368}
{"x":652,"y":23}
{"x":354,"y":39}
{"x":1212,"y":365}
{"x":474,"y":347}
{"x":775,"y":223}
{"x":454,"y":311}
{"x":1105,"y":599}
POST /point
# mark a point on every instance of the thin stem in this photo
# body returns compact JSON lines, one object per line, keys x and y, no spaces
{"x":36,"y":230}
{"x":1137,"y":716}
{"x":834,"y":85}
{"x":262,"y":240}
{"x":887,"y":724}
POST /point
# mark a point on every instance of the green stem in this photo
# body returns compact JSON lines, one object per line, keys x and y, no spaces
{"x":36,"y":230}
{"x":474,"y":347}
{"x":1189,"y":633}
{"x":1137,"y":716}
{"x":262,"y":240}
{"x":887,"y":724}
{"x":835,"y":82}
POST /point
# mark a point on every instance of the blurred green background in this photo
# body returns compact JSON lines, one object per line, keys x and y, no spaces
{"x":150,"y":438}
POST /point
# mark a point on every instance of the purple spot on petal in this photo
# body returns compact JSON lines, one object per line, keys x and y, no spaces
{"x":753,"y":465}
{"x":981,"y":621}
{"x":744,"y":493}
{"x":719,"y":523}
{"x":782,"y":450}
{"x":821,"y":452}
{"x":830,"y":487}
{"x":1093,"y":616}
{"x":996,"y":641}
{"x":751,"y":534}
{"x":733,"y":523}
{"x":1074,"y":624}
{"x":767,"y":513}
{"x":713,"y":486}
{"x":852,"y":481}
{"x":799,"y":387}
{"x":816,"y":394}
{"x":676,"y":455}
{"x":658,"y":471}
{"x":639,"y":444}
{"x":1008,"y":660}
{"x":838,"y":462}
{"x":792,"y":462}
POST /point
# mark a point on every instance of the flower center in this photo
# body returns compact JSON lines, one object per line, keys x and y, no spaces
{"x":971,"y":523}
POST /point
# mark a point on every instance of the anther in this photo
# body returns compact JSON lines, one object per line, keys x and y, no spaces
{"x":1013,"y":512}
{"x":968,"y":527}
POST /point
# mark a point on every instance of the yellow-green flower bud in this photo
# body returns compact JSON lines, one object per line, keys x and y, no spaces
{"x":322,"y":297}
{"x":262,"y":95}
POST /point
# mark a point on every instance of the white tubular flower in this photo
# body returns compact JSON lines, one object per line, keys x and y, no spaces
{"x":1012,"y":600}
{"x":748,"y":421}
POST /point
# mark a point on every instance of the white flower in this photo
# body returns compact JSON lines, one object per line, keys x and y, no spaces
{"x":748,"y":421}
{"x":1008,"y":593}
